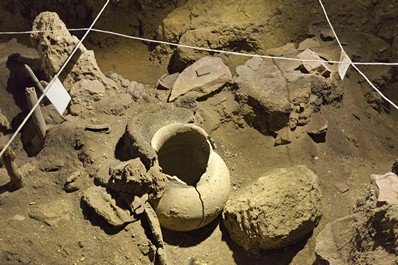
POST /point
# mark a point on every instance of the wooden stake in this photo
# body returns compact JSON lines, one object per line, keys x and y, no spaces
{"x":38,"y":119}
{"x":16,"y":179}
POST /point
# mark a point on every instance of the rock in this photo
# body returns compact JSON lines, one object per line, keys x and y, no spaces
{"x":277,"y":210}
{"x":317,"y":128}
{"x":386,"y":187}
{"x":284,"y":136}
{"x":287,"y":49}
{"x":314,"y":67}
{"x":342,"y":187}
{"x":138,"y":92}
{"x":138,"y":204}
{"x":394,"y":168}
{"x":105,"y":206}
{"x":115,"y":105}
{"x":54,"y":43}
{"x":132,"y":177}
{"x":326,"y":34}
{"x":4,"y":124}
{"x":52,"y":213}
{"x":265,"y":90}
{"x":201,"y":78}
{"x":72,"y":183}
{"x":308,"y":44}
{"x":84,"y":92}
{"x":330,"y":241}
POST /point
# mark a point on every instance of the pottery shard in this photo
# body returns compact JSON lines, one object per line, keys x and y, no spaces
{"x":386,"y":188}
{"x":203,"y":77}
{"x":313,"y":66}
{"x":105,"y":206}
{"x":277,"y":210}
{"x":54,"y":44}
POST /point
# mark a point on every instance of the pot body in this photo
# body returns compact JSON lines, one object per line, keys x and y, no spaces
{"x":199,"y":184}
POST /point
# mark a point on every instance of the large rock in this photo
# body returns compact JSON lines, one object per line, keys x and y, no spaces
{"x":54,"y":44}
{"x":280,"y":93}
{"x":263,"y":86}
{"x":201,"y":78}
{"x":277,"y":210}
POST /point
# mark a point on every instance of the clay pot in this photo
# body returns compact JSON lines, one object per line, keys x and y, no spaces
{"x":199,"y":183}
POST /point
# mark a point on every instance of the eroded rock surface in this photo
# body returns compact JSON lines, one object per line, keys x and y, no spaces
{"x":277,"y":210}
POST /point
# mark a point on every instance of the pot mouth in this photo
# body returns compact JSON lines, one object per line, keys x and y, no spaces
{"x":183,"y":152}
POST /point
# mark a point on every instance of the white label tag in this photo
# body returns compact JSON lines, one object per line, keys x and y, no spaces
{"x":58,"y":96}
{"x":345,"y":63}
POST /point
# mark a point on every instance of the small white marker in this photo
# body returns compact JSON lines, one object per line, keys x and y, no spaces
{"x":345,"y":63}
{"x":58,"y":96}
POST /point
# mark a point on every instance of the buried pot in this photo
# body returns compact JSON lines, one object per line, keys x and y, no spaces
{"x":199,"y":183}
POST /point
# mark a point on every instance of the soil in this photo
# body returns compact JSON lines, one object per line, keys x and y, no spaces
{"x":43,"y":224}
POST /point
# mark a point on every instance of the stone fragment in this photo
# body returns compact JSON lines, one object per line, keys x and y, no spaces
{"x":137,"y":91}
{"x":105,"y":206}
{"x":314,"y":66}
{"x":202,"y":78}
{"x":342,"y":187}
{"x":395,"y":167}
{"x":167,"y":81}
{"x":317,"y":128}
{"x":53,"y":212}
{"x":289,"y":48}
{"x":284,"y":136}
{"x":72,"y":183}
{"x":138,"y":204}
{"x":4,"y":124}
{"x":386,"y":187}
{"x":84,"y":92}
{"x":326,"y":34}
{"x":132,"y":177}
{"x":308,"y":44}
{"x":277,"y":210}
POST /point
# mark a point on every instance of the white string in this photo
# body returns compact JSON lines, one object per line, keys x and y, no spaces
{"x":202,"y":48}
{"x":53,"y":80}
{"x":353,"y":65}
{"x":189,"y":47}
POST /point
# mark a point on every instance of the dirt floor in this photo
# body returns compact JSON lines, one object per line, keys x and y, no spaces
{"x":43,"y":224}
